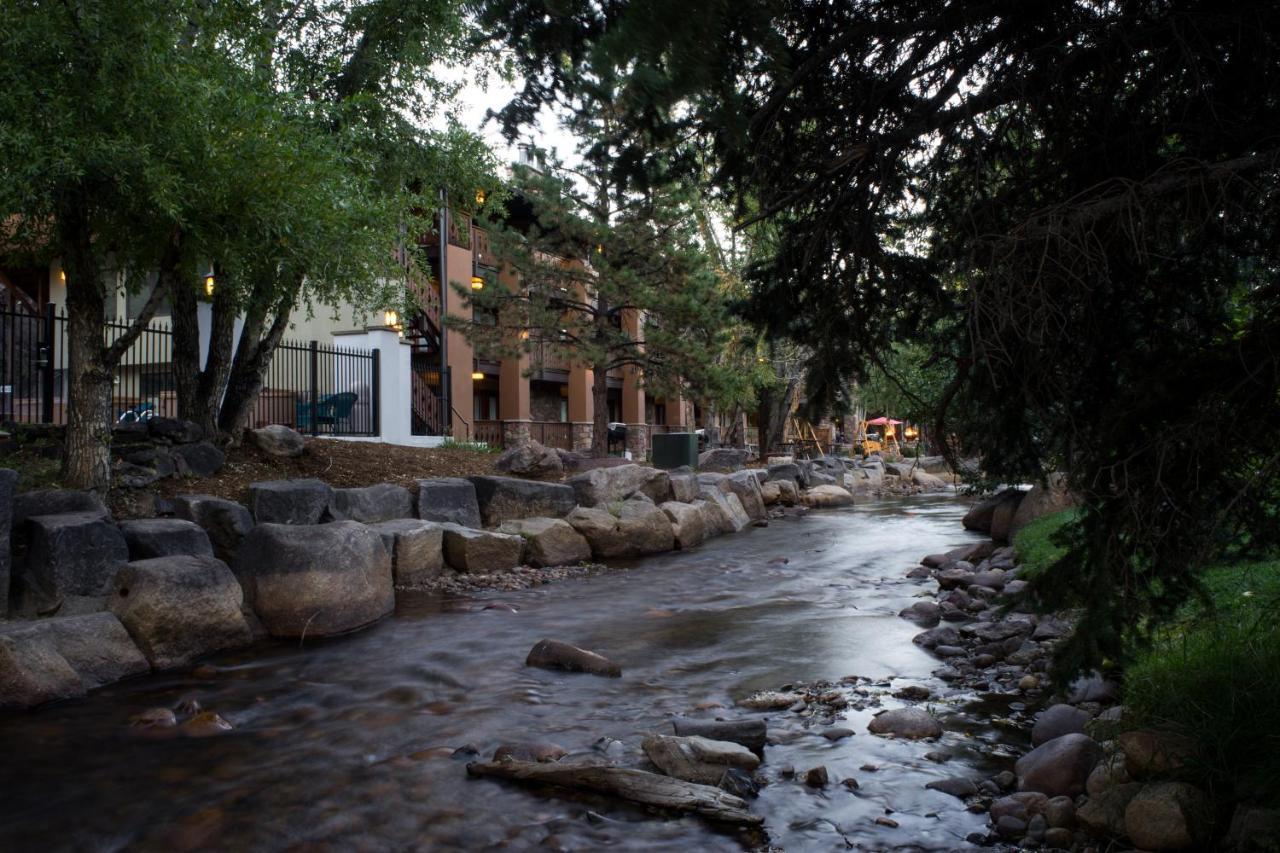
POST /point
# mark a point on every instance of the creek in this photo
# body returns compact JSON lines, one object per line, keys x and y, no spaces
{"x":347,"y":743}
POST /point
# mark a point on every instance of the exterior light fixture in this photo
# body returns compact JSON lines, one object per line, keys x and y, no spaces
{"x":62,"y":276}
{"x":524,"y":334}
{"x":599,"y":248}
{"x":477,"y":375}
{"x":477,"y":283}
{"x":209,"y":283}
{"x":480,"y":196}
{"x":390,"y":318}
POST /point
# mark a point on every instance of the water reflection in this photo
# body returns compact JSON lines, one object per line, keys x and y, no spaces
{"x":347,"y":744}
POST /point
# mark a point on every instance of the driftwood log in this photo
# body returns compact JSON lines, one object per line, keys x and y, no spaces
{"x":639,"y":786}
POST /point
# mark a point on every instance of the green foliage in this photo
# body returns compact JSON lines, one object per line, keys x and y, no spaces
{"x":1039,"y":543}
{"x":1213,"y":675}
{"x":473,"y":446}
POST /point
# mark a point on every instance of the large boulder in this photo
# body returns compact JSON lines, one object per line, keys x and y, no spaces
{"x":1152,"y":754}
{"x":530,"y":460}
{"x":928,"y":482}
{"x":723,"y":459}
{"x":278,"y":440}
{"x":179,"y":608}
{"x":604,"y":486}
{"x":174,"y":430}
{"x":370,"y":504}
{"x":448,"y":499}
{"x":8,"y":482}
{"x":684,"y":486}
{"x":789,"y":471}
{"x":981,"y":516}
{"x":554,"y":654}
{"x":788,"y":492}
{"x":62,"y":657}
{"x":827,"y":497}
{"x":1102,"y":814}
{"x":688,"y":523}
{"x":226,"y":522}
{"x":164,"y":537}
{"x":746,"y":486}
{"x":302,"y":502}
{"x":416,"y":548}
{"x":481,"y":551}
{"x":1169,"y":816}
{"x":200,"y":459}
{"x":639,"y":528}
{"x":725,"y":509}
{"x":1059,"y":767}
{"x":54,"y":502}
{"x":73,"y":554}
{"x":912,"y":723}
{"x":507,"y":498}
{"x":315,"y":580}
{"x":549,"y":541}
{"x":1056,"y":721}
{"x":1044,"y":499}
{"x":698,"y":759}
{"x":771,"y":493}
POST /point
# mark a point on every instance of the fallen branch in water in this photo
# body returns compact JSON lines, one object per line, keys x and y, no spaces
{"x":639,"y":786}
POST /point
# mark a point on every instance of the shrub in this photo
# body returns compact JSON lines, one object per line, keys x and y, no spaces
{"x":1037,"y":544}
{"x":1214,"y":676}
{"x":473,"y":446}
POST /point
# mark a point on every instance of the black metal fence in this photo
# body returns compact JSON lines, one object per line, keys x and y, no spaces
{"x":315,"y":388}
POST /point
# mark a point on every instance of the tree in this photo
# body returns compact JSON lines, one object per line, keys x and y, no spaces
{"x":1082,"y":196}
{"x":96,"y":142}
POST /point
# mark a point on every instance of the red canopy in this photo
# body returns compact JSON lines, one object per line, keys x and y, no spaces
{"x":883,"y":422}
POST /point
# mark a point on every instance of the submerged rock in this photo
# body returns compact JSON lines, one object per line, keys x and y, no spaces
{"x":554,"y":654}
{"x":912,"y":723}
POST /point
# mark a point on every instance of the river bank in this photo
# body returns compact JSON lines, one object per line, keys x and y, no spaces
{"x":349,"y":741}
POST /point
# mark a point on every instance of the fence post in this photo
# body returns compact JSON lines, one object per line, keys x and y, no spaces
{"x":376,"y":393}
{"x":315,"y":387}
{"x":50,"y":359}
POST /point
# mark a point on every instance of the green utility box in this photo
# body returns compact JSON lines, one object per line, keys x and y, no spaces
{"x":673,"y":449}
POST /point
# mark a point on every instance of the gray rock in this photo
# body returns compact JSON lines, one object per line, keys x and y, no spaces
{"x":370,"y":504}
{"x":746,"y":486}
{"x":789,"y":471}
{"x":530,"y":460}
{"x":54,"y":502}
{"x":174,"y":430}
{"x":59,"y":658}
{"x":549,"y":541}
{"x":481,"y":551}
{"x":315,"y":580}
{"x":924,"y":613}
{"x":684,"y":487}
{"x":201,"y":459}
{"x":828,"y":496}
{"x":164,"y":537}
{"x":1059,"y":767}
{"x":8,"y":482}
{"x":554,"y":654}
{"x":1092,"y":688}
{"x":302,"y":502}
{"x":416,"y":548}
{"x":278,"y":440}
{"x":179,"y":608}
{"x":600,"y":528}
{"x":73,"y":553}
{"x":912,"y":723}
{"x":943,"y":635}
{"x":956,"y":786}
{"x":725,"y":509}
{"x":1150,"y":754}
{"x":1056,"y":721}
{"x":982,"y":516}
{"x":1102,"y":814}
{"x":225,"y":522}
{"x":697,"y":759}
{"x":723,"y":459}
{"x":1060,"y":812}
{"x":749,"y":733}
{"x":508,"y":498}
{"x":645,"y":528}
{"x":688,"y":523}
{"x":600,"y":487}
{"x":448,"y":499}
{"x":1044,"y":499}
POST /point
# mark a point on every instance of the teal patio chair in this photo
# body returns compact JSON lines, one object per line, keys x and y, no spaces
{"x":329,"y":413}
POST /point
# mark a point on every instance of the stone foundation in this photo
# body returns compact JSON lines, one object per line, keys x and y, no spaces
{"x":515,"y":433}
{"x":582,"y":434}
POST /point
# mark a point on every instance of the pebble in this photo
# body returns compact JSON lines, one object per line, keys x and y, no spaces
{"x":887,"y":821}
{"x":837,"y":733}
{"x":206,"y":724}
{"x":816,"y":777}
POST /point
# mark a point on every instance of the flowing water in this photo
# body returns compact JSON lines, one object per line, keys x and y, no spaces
{"x":346,"y":744}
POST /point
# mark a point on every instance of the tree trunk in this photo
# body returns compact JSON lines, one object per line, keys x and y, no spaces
{"x":600,"y":411}
{"x":186,"y":353}
{"x":201,"y":387}
{"x":86,"y":461}
{"x":249,"y":367}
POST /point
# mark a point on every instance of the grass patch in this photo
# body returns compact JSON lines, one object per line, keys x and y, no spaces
{"x":1035,"y":543}
{"x":1214,"y":675}
{"x":472,"y":446}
